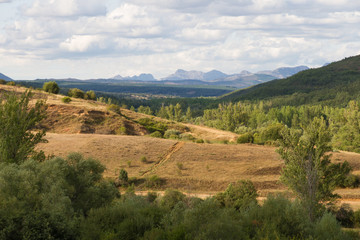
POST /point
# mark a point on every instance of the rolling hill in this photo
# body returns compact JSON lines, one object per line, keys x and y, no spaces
{"x":90,"y":128}
{"x":309,"y":86}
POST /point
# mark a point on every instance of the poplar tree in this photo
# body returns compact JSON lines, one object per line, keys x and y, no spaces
{"x":308,"y":171}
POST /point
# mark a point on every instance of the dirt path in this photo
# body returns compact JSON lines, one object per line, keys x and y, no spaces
{"x":173,"y":149}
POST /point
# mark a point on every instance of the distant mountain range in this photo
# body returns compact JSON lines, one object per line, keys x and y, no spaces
{"x":243,"y":79}
{"x":6,"y":78}
{"x":216,"y":75}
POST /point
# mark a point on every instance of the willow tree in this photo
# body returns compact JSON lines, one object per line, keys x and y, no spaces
{"x":308,"y":171}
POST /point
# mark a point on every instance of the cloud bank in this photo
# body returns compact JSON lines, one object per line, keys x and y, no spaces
{"x":91,"y":38}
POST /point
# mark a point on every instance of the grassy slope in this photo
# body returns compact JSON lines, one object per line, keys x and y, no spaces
{"x":204,"y":167}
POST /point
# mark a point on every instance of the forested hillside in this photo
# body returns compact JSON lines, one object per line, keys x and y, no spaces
{"x":329,"y":84}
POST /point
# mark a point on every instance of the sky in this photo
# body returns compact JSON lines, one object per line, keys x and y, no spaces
{"x":102,"y":38}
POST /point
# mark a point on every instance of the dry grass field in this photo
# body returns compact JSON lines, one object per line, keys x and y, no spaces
{"x":204,"y":169}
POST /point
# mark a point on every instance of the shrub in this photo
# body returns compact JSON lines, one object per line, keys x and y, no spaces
{"x":156,"y":134}
{"x":151,"y":196}
{"x":271,"y":133}
{"x":90,"y":95}
{"x":76,"y":93}
{"x":172,"y":133}
{"x":66,"y":99}
{"x":345,"y":216}
{"x":246,"y":138}
{"x":351,"y":181}
{"x":171,"y":198}
{"x":11,"y":83}
{"x":122,"y":130}
{"x":51,"y":87}
{"x":328,"y":228}
{"x":187,"y":137}
{"x":152,"y":126}
{"x":123,"y":176}
{"x":180,"y":166}
{"x":357,"y":218}
{"x":199,"y":141}
{"x":2,"y":81}
{"x":239,"y":195}
{"x":280,"y":218}
{"x":114,"y":108}
{"x":153,"y":182}
{"x":143,"y":159}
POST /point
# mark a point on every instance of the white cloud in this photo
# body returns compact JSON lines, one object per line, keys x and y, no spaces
{"x":5,"y":1}
{"x":163,"y":35}
{"x":66,"y":8}
{"x":83,"y":43}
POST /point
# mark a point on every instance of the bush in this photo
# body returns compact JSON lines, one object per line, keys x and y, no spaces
{"x":156,"y":134}
{"x":76,"y":93}
{"x":123,"y":176}
{"x":153,"y":182}
{"x":186,"y":137}
{"x":171,"y":198}
{"x":280,"y":216}
{"x":239,"y":195}
{"x":66,"y":99}
{"x":357,"y":218}
{"x":351,"y":181}
{"x":246,"y":138}
{"x":199,"y":141}
{"x":90,"y":95}
{"x":328,"y":228}
{"x":172,"y":133}
{"x":127,"y":219}
{"x":152,"y":126}
{"x":345,"y":216}
{"x":11,"y":83}
{"x":114,"y":108}
{"x":51,"y":87}
{"x":2,"y":81}
{"x":143,"y":159}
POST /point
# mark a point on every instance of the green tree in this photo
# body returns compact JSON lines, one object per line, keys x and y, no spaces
{"x":51,"y":87}
{"x":17,"y":120}
{"x":308,"y":171}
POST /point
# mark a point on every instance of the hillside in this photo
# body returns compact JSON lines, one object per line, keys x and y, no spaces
{"x":4,"y":77}
{"x":313,"y":85}
{"x":202,"y":169}
{"x":85,"y":116}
